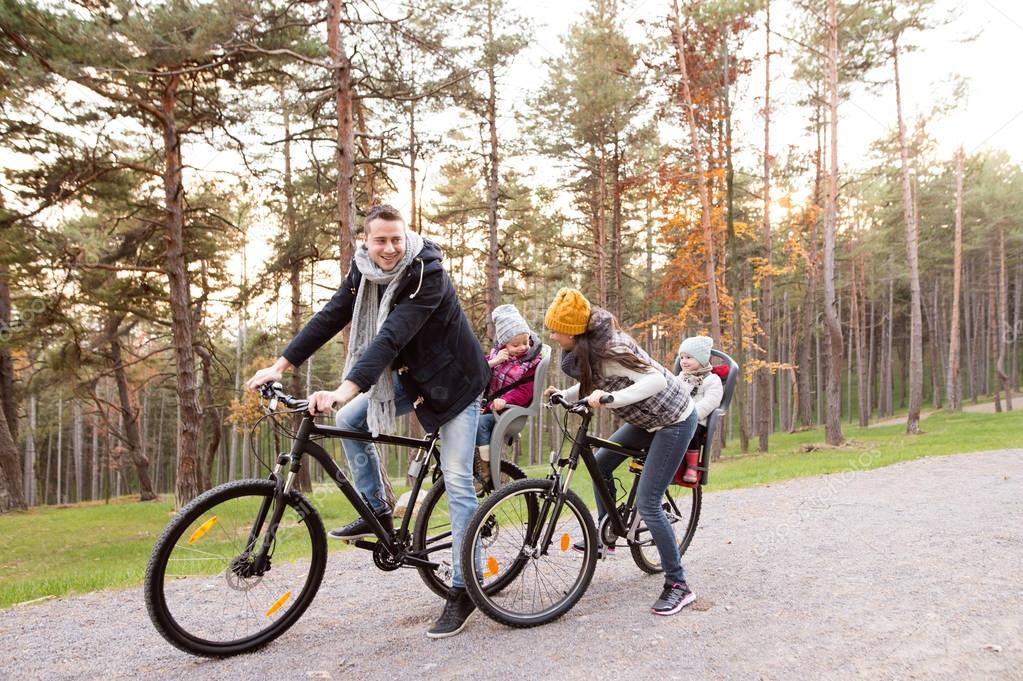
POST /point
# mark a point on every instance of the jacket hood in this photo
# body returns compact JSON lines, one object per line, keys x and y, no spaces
{"x":427,"y":261}
{"x":431,"y":255}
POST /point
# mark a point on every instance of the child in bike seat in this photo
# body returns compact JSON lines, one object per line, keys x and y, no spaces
{"x":706,"y":392}
{"x":655,"y":405}
{"x":513,"y":361}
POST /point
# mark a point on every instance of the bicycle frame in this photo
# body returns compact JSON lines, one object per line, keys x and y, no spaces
{"x":582,"y":448}
{"x":304,"y":445}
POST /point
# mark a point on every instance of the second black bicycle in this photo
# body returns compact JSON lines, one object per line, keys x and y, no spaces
{"x":541,"y":542}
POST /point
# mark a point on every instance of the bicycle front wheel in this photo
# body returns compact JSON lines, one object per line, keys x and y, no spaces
{"x":682,"y":507}
{"x":204,"y":590}
{"x":522,"y":580}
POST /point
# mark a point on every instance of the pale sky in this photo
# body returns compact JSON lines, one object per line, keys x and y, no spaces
{"x":991,"y":118}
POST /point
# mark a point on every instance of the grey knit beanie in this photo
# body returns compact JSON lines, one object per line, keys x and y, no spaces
{"x":507,"y":323}
{"x":697,"y":347}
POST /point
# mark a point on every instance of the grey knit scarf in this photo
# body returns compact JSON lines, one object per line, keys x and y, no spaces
{"x":695,"y":378}
{"x":368,"y":316}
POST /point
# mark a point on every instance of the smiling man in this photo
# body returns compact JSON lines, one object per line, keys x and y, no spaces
{"x":411,"y":347}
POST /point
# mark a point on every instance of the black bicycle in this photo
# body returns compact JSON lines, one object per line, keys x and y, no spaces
{"x":542,"y":544}
{"x":240,"y":564}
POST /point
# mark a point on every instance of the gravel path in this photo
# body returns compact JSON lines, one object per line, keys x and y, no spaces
{"x":907,"y":572}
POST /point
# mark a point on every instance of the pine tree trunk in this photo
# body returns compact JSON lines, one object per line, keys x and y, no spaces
{"x":970,"y":329}
{"x":889,"y":376}
{"x":808,"y":328}
{"x":60,"y":448}
{"x":238,"y":437}
{"x":129,"y":414}
{"x":8,"y":398}
{"x":212,"y":416}
{"x":493,"y":290}
{"x":617,"y":295}
{"x":931,"y":321}
{"x":369,"y":180}
{"x":413,"y":150}
{"x":1017,"y":323}
{"x":807,"y":333}
{"x":991,"y":343}
{"x":1002,"y":315}
{"x":49,"y":466}
{"x":649,"y":298}
{"x":600,"y":227}
{"x":94,"y":482}
{"x":345,"y":128}
{"x":701,"y":175}
{"x":76,"y":447}
{"x":871,"y":355}
{"x":187,"y":485}
{"x":953,"y":391}
{"x":12,"y":496}
{"x":30,"y":454}
{"x":766,"y":419}
{"x":790,"y":375}
{"x":916,"y":361}
{"x":856,"y":313}
{"x":296,"y":245}
{"x":734,"y":270}
{"x":159,"y":443}
{"x":833,"y":403}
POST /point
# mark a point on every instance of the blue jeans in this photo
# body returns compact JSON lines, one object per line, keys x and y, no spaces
{"x":667,"y":448}
{"x":485,"y":429}
{"x":457,"y":450}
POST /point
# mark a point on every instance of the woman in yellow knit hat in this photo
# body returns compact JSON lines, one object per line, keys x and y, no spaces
{"x":654,"y":404}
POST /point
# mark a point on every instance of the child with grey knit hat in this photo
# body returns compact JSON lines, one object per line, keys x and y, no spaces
{"x":706,"y":392}
{"x":513,"y":361}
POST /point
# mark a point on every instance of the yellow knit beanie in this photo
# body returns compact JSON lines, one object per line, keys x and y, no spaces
{"x":569,"y":313}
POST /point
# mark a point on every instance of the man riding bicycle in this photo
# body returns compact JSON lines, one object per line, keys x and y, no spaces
{"x":411,"y":348}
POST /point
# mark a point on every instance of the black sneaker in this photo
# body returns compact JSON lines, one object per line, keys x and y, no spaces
{"x":603,"y":551}
{"x":457,"y":609}
{"x":359,"y":528}
{"x":674,"y":597}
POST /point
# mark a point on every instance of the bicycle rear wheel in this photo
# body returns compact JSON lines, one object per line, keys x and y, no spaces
{"x":431,"y":537}
{"x":538,"y":583}
{"x":204,"y":592}
{"x":682,"y":506}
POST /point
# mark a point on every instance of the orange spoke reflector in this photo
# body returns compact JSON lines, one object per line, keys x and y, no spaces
{"x":492,"y":567}
{"x":564,"y":542}
{"x":278,"y":603}
{"x":203,"y":529}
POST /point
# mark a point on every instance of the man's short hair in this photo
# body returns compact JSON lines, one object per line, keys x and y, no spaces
{"x":381,"y":212}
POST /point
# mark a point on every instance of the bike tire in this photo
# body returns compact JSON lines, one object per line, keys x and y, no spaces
{"x":183,"y":583}
{"x":683,"y":516}
{"x":432,"y":527}
{"x":518,"y":509}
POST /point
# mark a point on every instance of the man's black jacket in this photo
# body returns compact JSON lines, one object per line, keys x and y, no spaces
{"x":426,"y":339}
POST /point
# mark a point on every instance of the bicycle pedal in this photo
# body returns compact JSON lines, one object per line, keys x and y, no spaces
{"x":362,"y":544}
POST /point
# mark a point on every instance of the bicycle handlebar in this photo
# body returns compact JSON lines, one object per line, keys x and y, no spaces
{"x":579,"y":406}
{"x":275,"y":391}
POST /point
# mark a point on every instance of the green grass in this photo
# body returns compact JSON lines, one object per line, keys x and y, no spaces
{"x":86,"y":547}
{"x":868,"y":448}
{"x":75,"y":549}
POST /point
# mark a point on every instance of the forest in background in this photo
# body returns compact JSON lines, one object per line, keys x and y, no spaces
{"x":134,"y":301}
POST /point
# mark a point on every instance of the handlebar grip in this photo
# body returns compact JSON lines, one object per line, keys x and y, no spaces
{"x":607,"y":399}
{"x":556,"y":398}
{"x":275,"y":390}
